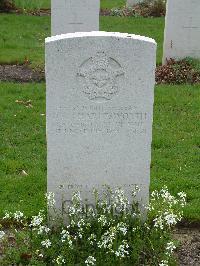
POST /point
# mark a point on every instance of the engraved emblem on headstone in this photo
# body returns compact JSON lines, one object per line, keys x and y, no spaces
{"x":99,"y":75}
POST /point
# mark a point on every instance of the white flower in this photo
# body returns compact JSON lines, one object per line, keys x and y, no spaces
{"x":43,"y":229}
{"x":72,"y":211}
{"x":50,"y":196}
{"x":91,"y":212}
{"x":171,"y":219}
{"x":149,"y":207}
{"x":120,"y":202}
{"x":37,"y":252}
{"x":65,"y":235}
{"x":107,"y":239}
{"x":18,"y":216}
{"x":60,"y":260}
{"x":154,"y":195}
{"x":122,"y":227}
{"x":105,"y":206}
{"x":92,"y":238}
{"x":182,"y":196}
{"x":76,"y":207}
{"x":164,"y":263}
{"x":134,"y":229}
{"x":2,"y":234}
{"x":170,"y":248}
{"x":158,"y":222}
{"x":37,"y":220}
{"x":122,"y":250}
{"x":73,"y":223}
{"x":167,"y":197}
{"x":135,"y":191}
{"x":81,"y":223}
{"x":88,"y":225}
{"x":146,"y":225}
{"x":7,"y":215}
{"x":76,"y":198}
{"x":90,"y":261}
{"x":63,"y":232}
{"x":46,"y":243}
{"x":102,"y":220}
{"x":80,"y":235}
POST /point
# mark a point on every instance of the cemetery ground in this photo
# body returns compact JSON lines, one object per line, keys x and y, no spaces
{"x":176,"y":142}
{"x":175,"y":161}
{"x":22,"y":36}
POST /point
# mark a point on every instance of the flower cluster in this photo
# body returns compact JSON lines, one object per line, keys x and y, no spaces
{"x":170,"y":248}
{"x":18,"y":216}
{"x":120,"y":202}
{"x":107,"y":239}
{"x":122,"y":250}
{"x":43,"y":229}
{"x":167,"y":198}
{"x":37,"y":220}
{"x":46,"y":243}
{"x":92,"y":239}
{"x":90,"y":261}
{"x":65,"y":236}
{"x":76,"y":209}
{"x":168,"y":208}
{"x":103,"y":220}
{"x":163,"y":263}
{"x":122,"y":227}
{"x":110,"y":232}
{"x":60,"y":260}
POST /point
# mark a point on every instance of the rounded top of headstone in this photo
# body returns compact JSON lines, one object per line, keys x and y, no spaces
{"x":99,"y":34}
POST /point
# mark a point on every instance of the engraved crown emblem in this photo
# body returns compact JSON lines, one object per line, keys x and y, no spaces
{"x":100,"y":74}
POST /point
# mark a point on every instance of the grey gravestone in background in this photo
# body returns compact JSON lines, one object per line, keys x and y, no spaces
{"x":74,"y":15}
{"x":100,"y":92}
{"x":182,"y":29}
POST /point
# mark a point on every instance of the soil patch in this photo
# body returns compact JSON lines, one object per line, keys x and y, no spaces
{"x":20,"y":73}
{"x":189,"y":251}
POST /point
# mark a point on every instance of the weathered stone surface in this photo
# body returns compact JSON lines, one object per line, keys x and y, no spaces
{"x":100,"y":91}
{"x":182,"y":29}
{"x":74,"y":16}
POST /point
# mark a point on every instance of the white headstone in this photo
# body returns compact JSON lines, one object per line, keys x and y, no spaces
{"x":130,"y":3}
{"x":182,"y":29}
{"x":69,"y":16}
{"x":100,"y":92}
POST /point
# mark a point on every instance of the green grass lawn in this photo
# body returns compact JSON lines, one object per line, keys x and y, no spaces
{"x":33,"y":4}
{"x":175,"y":148}
{"x":176,"y":142}
{"x":22,"y":37}
{"x":22,"y":147}
{"x":112,"y":3}
{"x":37,"y":4}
